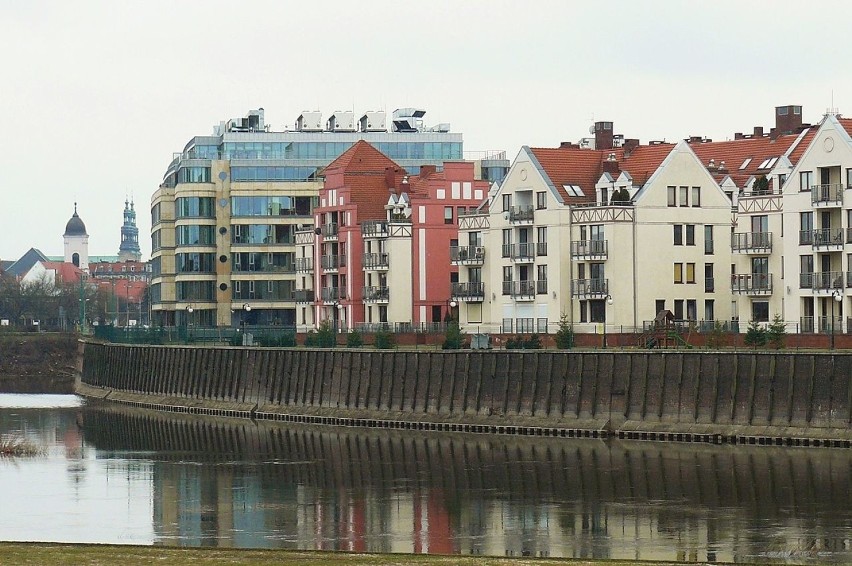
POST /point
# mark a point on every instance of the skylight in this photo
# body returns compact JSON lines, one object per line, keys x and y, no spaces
{"x":573,"y":190}
{"x":745,"y":163}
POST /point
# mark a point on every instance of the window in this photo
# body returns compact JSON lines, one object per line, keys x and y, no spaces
{"x":806,"y":271}
{"x":541,"y":200}
{"x":507,"y":325}
{"x":597,"y":310}
{"x":678,"y":235}
{"x":806,"y":228}
{"x":849,"y":178}
{"x":659,"y":306}
{"x":696,"y":196}
{"x":690,"y":273}
{"x":678,"y":273}
{"x":806,"y":180}
{"x":672,"y":198}
{"x":760,"y":224}
{"x":690,"y":234}
{"x":678,"y":309}
{"x":760,"y":311}
{"x":541,"y":244}
{"x":710,"y":309}
{"x":691,"y":309}
{"x":708,"y":239}
{"x":460,"y":211}
{"x":448,"y":215}
{"x":709,"y":282}
{"x":782,"y":178}
{"x":507,"y":279}
{"x":584,"y":311}
{"x":507,"y":242}
{"x":684,"y":196}
{"x":541,"y":279}
{"x":507,"y":203}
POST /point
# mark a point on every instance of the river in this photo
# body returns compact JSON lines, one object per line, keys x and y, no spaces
{"x":109,"y":474}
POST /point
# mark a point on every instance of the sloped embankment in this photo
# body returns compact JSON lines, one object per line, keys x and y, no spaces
{"x":37,"y":362}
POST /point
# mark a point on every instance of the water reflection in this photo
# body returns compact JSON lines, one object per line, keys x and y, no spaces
{"x":211,"y":482}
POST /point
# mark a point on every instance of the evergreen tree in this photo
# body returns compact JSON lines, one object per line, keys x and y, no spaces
{"x":454,"y":337}
{"x":565,"y":334}
{"x":776,"y":332}
{"x":755,"y":335}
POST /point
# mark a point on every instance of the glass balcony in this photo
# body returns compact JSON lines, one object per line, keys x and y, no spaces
{"x":374,"y":229}
{"x":828,"y":195}
{"x":752,"y":283}
{"x":597,"y":249}
{"x":826,"y":237}
{"x":468,"y":292}
{"x":374,"y":261}
{"x":827,"y":280}
{"x":329,"y":231}
{"x":376,"y":294}
{"x":467,"y":255}
{"x":304,"y":265}
{"x":520,"y":290}
{"x":522,"y":213}
{"x":522,"y":253}
{"x":751,"y":242}
{"x":304,"y":295}
{"x":590,"y":288}
{"x":333,"y":262}
{"x":333,"y":294}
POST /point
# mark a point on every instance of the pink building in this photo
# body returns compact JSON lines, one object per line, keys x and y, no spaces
{"x":378,"y":255}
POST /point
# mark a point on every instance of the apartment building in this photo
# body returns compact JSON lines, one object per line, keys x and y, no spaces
{"x":224,"y":220}
{"x":378,"y":254}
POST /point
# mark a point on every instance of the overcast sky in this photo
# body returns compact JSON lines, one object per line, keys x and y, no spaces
{"x":96,"y":96}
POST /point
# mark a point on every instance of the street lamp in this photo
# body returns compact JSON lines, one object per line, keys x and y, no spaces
{"x":451,"y":304}
{"x":838,"y":297}
{"x":608,"y":302}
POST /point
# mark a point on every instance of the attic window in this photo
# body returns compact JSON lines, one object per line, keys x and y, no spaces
{"x":745,"y":163}
{"x":768,"y":163}
{"x":573,"y":190}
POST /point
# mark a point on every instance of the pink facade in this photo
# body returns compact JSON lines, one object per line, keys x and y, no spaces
{"x":373,"y":218}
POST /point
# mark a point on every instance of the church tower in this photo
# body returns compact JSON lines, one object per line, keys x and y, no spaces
{"x":129,"y":248}
{"x":76,"y":242}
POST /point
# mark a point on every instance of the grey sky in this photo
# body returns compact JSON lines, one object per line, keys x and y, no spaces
{"x":96,"y":96}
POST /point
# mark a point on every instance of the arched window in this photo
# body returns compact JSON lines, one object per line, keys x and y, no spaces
{"x":75,"y":259}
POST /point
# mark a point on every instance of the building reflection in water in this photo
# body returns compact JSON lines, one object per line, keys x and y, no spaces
{"x":263,"y":485}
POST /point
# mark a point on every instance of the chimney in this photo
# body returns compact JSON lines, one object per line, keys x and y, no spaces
{"x":758,"y":131}
{"x":788,"y":119}
{"x":739,"y":136}
{"x":603,"y":135}
{"x":610,"y":165}
{"x":568,"y":145}
{"x":629,"y":145}
{"x":722,"y":167}
{"x":426,"y":170}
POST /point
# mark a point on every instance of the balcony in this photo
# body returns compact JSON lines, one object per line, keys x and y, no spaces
{"x":376,"y":294}
{"x":752,"y":283}
{"x":329,"y":231}
{"x":374,"y":229}
{"x":520,"y":253}
{"x":332,"y":262}
{"x":303,"y":295}
{"x":827,"y":280}
{"x":304,"y":265}
{"x":806,"y":324}
{"x":521,"y":214}
{"x":590,"y":249}
{"x":827,"y":196}
{"x":829,"y":325}
{"x":470,"y":292}
{"x":520,"y":290}
{"x":590,"y":288}
{"x":751,"y":242}
{"x":467,"y":255}
{"x":332,"y":294}
{"x":828,"y":238}
{"x":374,"y":262}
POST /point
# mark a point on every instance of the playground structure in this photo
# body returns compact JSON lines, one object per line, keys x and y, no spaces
{"x":664,"y":332}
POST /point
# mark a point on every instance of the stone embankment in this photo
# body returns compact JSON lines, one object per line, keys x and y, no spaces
{"x":37,"y":362}
{"x":777,"y":398}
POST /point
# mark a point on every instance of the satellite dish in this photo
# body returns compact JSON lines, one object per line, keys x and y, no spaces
{"x":407,"y":212}
{"x":592,"y":129}
{"x":317,"y":231}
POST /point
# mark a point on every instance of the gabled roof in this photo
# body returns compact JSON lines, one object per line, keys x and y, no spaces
{"x":644,"y":160}
{"x":369,"y":176}
{"x":65,"y":272}
{"x":846,"y":123}
{"x":26,"y":262}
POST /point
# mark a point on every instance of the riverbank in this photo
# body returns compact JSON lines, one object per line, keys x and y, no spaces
{"x":776,"y":398}
{"x":13,"y":554}
{"x":37,"y":362}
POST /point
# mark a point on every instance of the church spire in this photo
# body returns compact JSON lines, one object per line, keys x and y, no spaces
{"x":129,"y":248}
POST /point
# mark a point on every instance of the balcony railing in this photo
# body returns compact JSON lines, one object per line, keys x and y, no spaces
{"x":332,"y":262}
{"x":304,"y":295}
{"x":752,"y":283}
{"x":330,"y":294}
{"x":751,"y":242}
{"x":470,"y":291}
{"x":827,"y":237}
{"x":304,"y":264}
{"x":374,"y":261}
{"x":589,"y":287}
{"x":522,"y":213}
{"x":330,"y":230}
{"x":541,"y":248}
{"x":376,"y":294}
{"x":806,"y":237}
{"x":519,"y":289}
{"x":468,"y":255}
{"x":827,"y":280}
{"x":590,"y":248}
{"x":829,"y":325}
{"x":374,"y":229}
{"x":806,"y":324}
{"x":806,"y":280}
{"x":829,"y":194}
{"x":520,"y":252}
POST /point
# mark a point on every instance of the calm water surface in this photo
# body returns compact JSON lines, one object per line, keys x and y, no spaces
{"x":116,"y":475}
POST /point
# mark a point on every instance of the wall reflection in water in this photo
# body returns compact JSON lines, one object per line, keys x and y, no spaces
{"x":234,"y":483}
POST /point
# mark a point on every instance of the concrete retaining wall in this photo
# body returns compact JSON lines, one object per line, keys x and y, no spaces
{"x":761,"y":397}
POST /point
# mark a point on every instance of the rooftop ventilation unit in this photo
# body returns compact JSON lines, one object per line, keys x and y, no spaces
{"x":341,"y":121}
{"x":372,"y":122}
{"x":309,"y":122}
{"x":408,"y":119}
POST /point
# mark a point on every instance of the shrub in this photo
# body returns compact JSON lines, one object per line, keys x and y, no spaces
{"x":518,"y":342}
{"x":311,"y":339}
{"x":325,"y":336}
{"x":454,"y":338}
{"x":565,"y":335}
{"x":383,"y":340}
{"x":755,"y":335}
{"x":715,"y":338}
{"x":776,"y":332}
{"x":533,"y":342}
{"x":354,"y":339}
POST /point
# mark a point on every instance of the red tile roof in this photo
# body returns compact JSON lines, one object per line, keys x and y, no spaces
{"x":846,"y":123}
{"x":65,"y":272}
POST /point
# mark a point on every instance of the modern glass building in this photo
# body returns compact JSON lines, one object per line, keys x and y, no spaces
{"x":224,"y":218}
